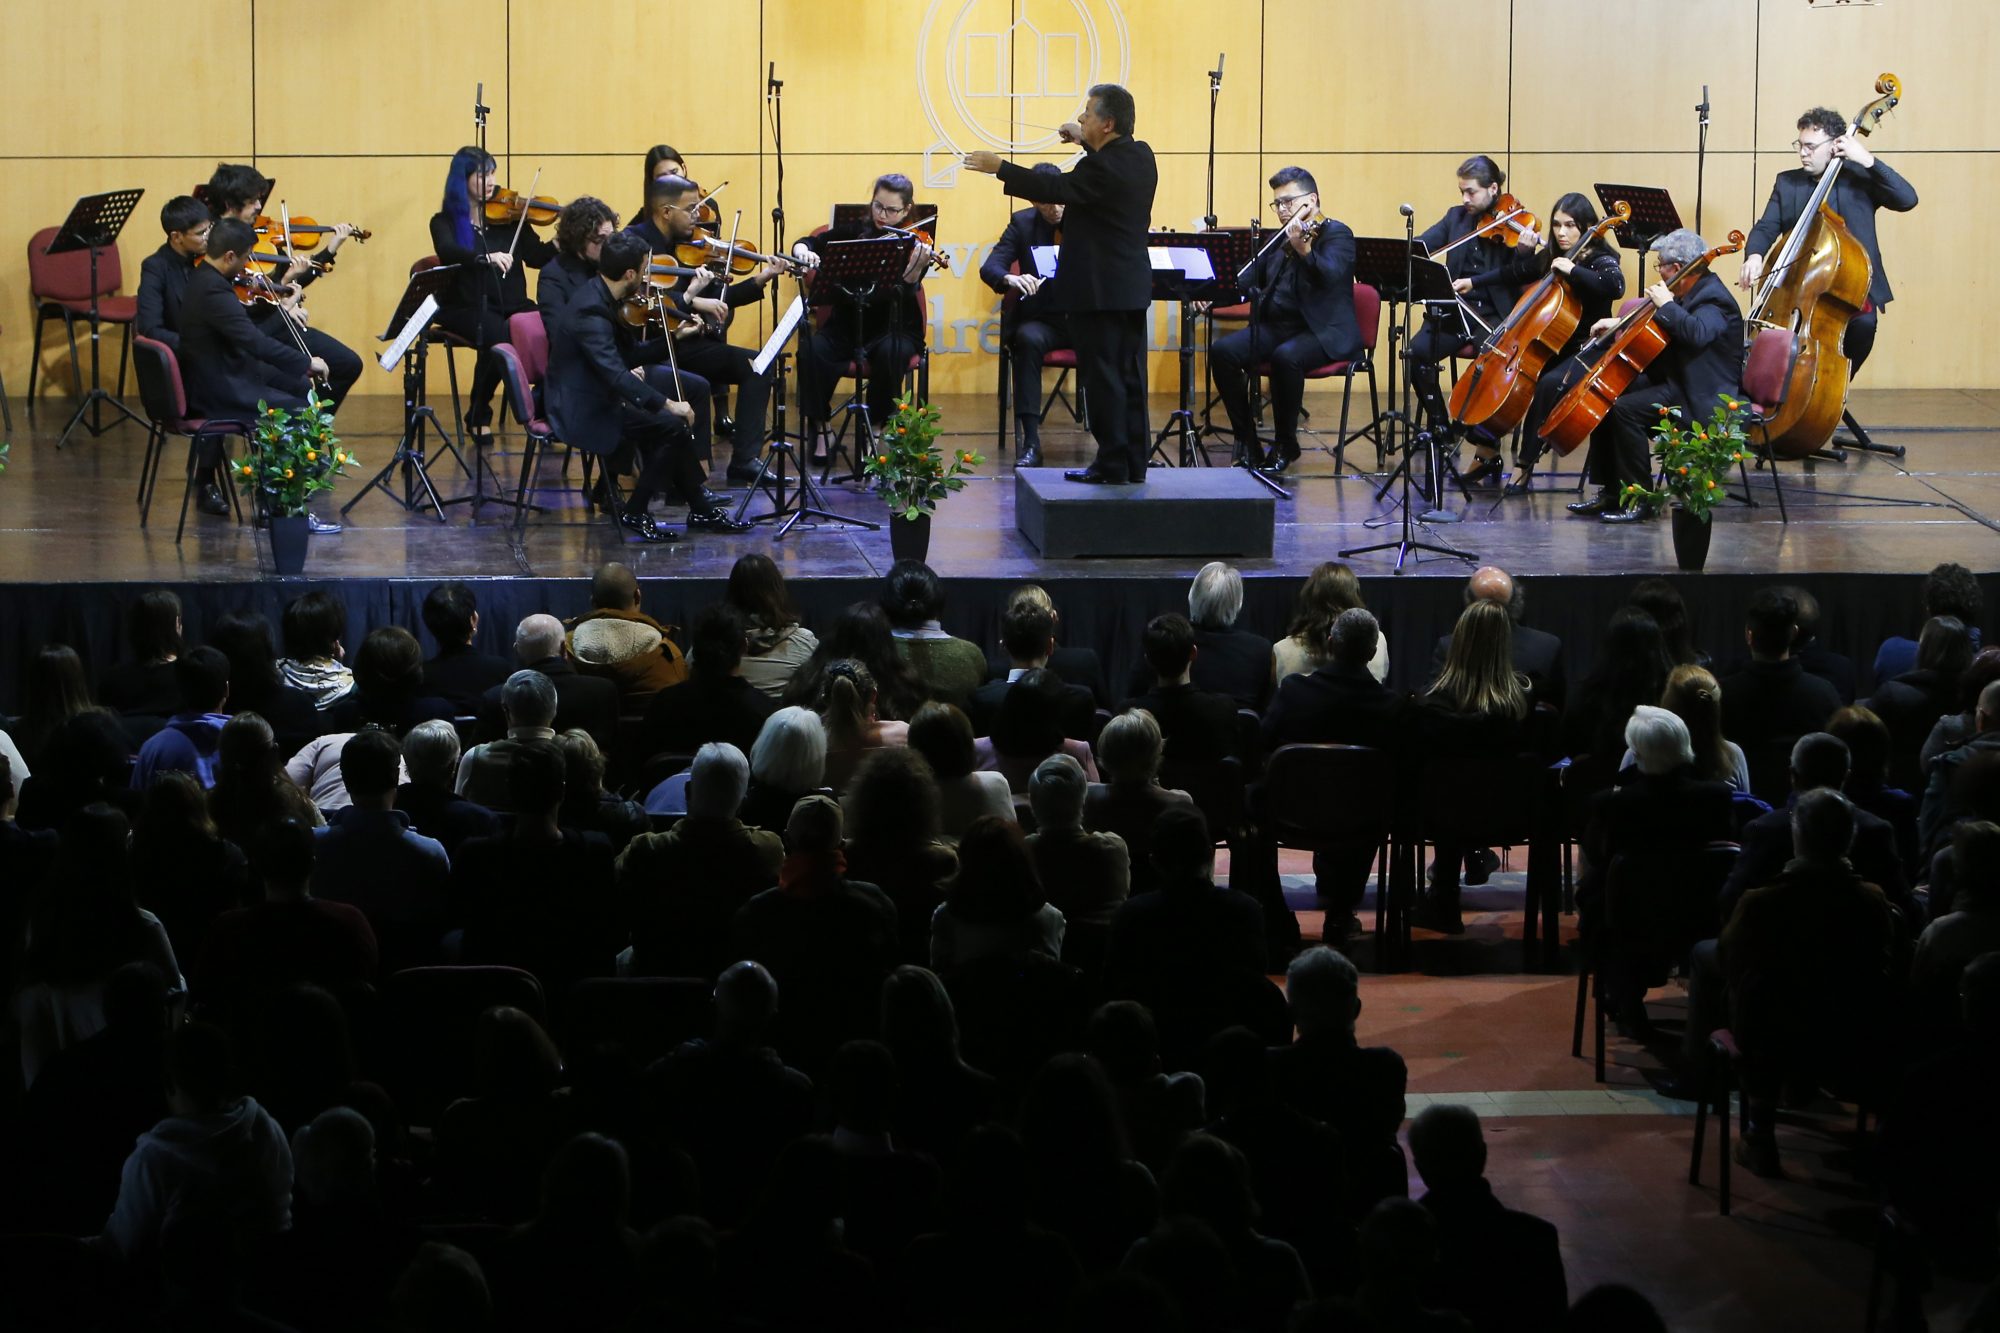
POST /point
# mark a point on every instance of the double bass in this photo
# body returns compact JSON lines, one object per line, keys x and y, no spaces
{"x":1618,"y":357}
{"x":1497,"y":389}
{"x":1814,"y":286}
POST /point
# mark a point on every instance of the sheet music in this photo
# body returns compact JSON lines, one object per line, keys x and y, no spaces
{"x":1192,"y":262}
{"x":413,"y":327}
{"x":1046,"y":257}
{"x":786,"y":323}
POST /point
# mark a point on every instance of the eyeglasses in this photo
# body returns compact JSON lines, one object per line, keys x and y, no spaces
{"x":889,"y":210}
{"x":1284,"y":201}
{"x":1802,"y":146}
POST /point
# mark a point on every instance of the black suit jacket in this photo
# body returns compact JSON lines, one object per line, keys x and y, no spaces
{"x":1335,"y":704}
{"x":1079,"y":706}
{"x":1230,"y":661}
{"x":1705,"y":355}
{"x":163,"y":281}
{"x":227,"y":362}
{"x":463,"y":674}
{"x":1325,"y":287}
{"x":1026,"y":229}
{"x":1486,"y":261}
{"x":590,"y":702}
{"x":1767,"y":850}
{"x":1077,"y":666}
{"x":478,"y":283}
{"x":1537,"y":655}
{"x":557,"y":285}
{"x":1768,"y":701}
{"x":1501,"y":1269}
{"x":1855,"y":197}
{"x":1199,"y":725}
{"x":590,"y":392}
{"x":1109,"y":198}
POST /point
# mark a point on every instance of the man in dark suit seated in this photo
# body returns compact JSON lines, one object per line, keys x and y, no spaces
{"x":715,"y":702}
{"x":1028,"y":633}
{"x":459,"y":673}
{"x":1818,"y":760}
{"x":1538,"y":655}
{"x":591,"y":702}
{"x":1199,"y":725}
{"x":431,"y":754}
{"x":1836,"y":669}
{"x":1077,"y":665}
{"x":1232,"y":661}
{"x":1773,"y":697}
{"x":1501,"y":1269}
{"x":1029,"y":328}
{"x":163,"y":281}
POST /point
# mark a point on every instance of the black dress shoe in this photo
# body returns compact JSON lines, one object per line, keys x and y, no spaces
{"x":711,"y":499}
{"x":641,"y":525}
{"x":1638,"y":513}
{"x":715,"y":520}
{"x":1278,"y":464}
{"x":1094,"y":476}
{"x":1030,"y":456}
{"x":1519,"y":485}
{"x":725,"y":425}
{"x":741,"y":474}
{"x":209,"y":501}
{"x":1596,"y":504}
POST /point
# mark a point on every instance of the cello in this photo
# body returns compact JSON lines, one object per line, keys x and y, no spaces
{"x":1497,"y":388}
{"x":1815,"y":286}
{"x":1618,"y":357}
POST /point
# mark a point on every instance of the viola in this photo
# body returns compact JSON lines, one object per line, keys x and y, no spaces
{"x":1497,"y":389}
{"x":1618,"y":357}
{"x":939,"y":259}
{"x":304,"y":227}
{"x":507,"y":207}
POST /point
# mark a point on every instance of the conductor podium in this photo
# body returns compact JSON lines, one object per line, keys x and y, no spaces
{"x":1175,"y":511}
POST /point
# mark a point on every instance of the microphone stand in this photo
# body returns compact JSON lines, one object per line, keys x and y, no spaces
{"x":774,"y":104}
{"x":1700,"y":153}
{"x":1214,"y":91}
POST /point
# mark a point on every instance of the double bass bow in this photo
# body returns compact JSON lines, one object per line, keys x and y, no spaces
{"x":1617,"y":357}
{"x":1815,"y":286}
{"x":1497,"y":389}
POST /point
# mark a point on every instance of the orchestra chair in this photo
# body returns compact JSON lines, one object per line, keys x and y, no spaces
{"x":1367,"y":310}
{"x":855,"y":408}
{"x":1515,"y":815}
{"x":1058,"y":358}
{"x":59,"y":288}
{"x":439,"y":336}
{"x":429,"y":1015}
{"x":1327,"y":798}
{"x":163,"y":396}
{"x":524,"y":362}
{"x":1237,"y":316}
{"x":1766,"y":375}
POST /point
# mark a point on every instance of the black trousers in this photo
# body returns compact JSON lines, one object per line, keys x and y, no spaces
{"x":825,"y":356}
{"x":1621,"y":446}
{"x":1860,"y":338}
{"x":1027,"y":344}
{"x":719,"y":362}
{"x":688,"y":465}
{"x":482,"y":328}
{"x":1429,"y":348}
{"x":1549,"y":390}
{"x":1292,"y":349}
{"x":665,"y":455}
{"x":343,"y":364}
{"x":1111,"y":367}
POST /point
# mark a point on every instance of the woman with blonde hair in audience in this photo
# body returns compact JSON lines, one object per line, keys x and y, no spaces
{"x":1329,"y":590}
{"x":778,"y":645}
{"x":847,"y":711}
{"x":1130,"y":798}
{"x":1694,"y":696}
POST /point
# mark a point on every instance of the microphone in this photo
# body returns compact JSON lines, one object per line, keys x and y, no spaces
{"x":1703,"y":108}
{"x":1216,"y":73}
{"x":772,"y":83}
{"x":1407,"y":210}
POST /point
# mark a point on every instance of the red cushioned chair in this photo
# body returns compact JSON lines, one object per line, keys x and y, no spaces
{"x":524,"y":359}
{"x":860,"y":372}
{"x":1060,"y":358}
{"x":165,"y":399}
{"x":1767,"y":371}
{"x":1368,"y":313}
{"x":59,"y":288}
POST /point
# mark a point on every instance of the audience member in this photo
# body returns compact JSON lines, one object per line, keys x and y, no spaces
{"x":679,"y":890}
{"x":485,"y":772}
{"x":1228,"y":660}
{"x":1912,"y":704}
{"x":1028,"y":633}
{"x":1076,"y":663}
{"x":1083,"y":1183}
{"x":1327,"y":592}
{"x":459,"y":672}
{"x":853,"y":727}
{"x":788,"y":761}
{"x":590,"y":702}
{"x":995,"y":906}
{"x":17,"y":767}
{"x":896,"y":842}
{"x":25,"y":857}
{"x":337,"y":1265}
{"x":586,"y":804}
{"x":1199,"y":727}
{"x":575,"y":1264}
{"x":790,"y":1260}
{"x":493,"y":1145}
{"x":891,"y":1191}
{"x":442,"y":1291}
{"x":1131,"y":799}
{"x":188,"y":742}
{"x":1956,"y":728}
{"x":1086,"y":873}
{"x":431,"y":755}
{"x":621,"y":643}
{"x":1772,"y":700}
{"x":861,"y":634}
{"x":913,"y":599}
{"x":1953,"y":776}
{"x":370,"y":857}
{"x":1159,"y":1110}
{"x":1630,"y":669}
{"x":89,"y":761}
{"x":144,"y":683}
{"x":54,"y":691}
{"x":943,"y":1098}
{"x":1029,"y":728}
{"x":1501,"y":1269}
{"x":1950,"y":589}
{"x":1818,"y":760}
{"x":941,"y":734}
{"x":777,"y":644}
{"x":256,"y":685}
{"x":715,"y":703}
{"x":1661,"y":600}
{"x":252,"y":789}
{"x":289,"y":936}
{"x":316,"y":770}
{"x":314,"y":625}
{"x":1693,"y":696}
{"x":1867,"y":741}
{"x":192,"y":872}
{"x":1819,"y":660}
{"x":1536,"y":654}
{"x":1972,"y":927}
{"x":1209,"y":1179}
{"x":389,"y":690}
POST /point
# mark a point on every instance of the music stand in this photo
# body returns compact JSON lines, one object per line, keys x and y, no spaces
{"x":1653,"y":216}
{"x":408,"y":336}
{"x":93,"y":224}
{"x":1179,"y":259}
{"x":858,"y":268}
{"x":1235,"y":247}
{"x":1383,"y":263}
{"x":805,"y":503}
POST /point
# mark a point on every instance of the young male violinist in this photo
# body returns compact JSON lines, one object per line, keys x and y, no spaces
{"x":228,"y":362}
{"x":1866,"y":183}
{"x":163,"y":280}
{"x":1029,"y":328}
{"x":1482,"y":278}
{"x":1703,"y":360}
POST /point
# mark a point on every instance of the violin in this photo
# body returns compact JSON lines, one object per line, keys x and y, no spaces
{"x":1504,"y":220}
{"x":741,"y":260}
{"x":304,"y":227}
{"x":507,"y":207}
{"x":706,"y":214}
{"x":939,"y":259}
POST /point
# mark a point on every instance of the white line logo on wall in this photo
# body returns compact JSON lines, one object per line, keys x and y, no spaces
{"x":1001,"y":74}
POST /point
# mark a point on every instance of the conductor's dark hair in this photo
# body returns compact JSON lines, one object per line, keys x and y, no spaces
{"x":1288,"y":175}
{"x":230,"y":237}
{"x":577,"y":224}
{"x":1824,"y":118}
{"x":621,"y":254}
{"x":183,"y":212}
{"x":234,"y":185}
{"x":1482,"y":169}
{"x":897,"y":184}
{"x":1114,"y":103}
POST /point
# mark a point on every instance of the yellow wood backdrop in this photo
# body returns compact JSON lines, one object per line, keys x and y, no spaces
{"x":356,"y":107}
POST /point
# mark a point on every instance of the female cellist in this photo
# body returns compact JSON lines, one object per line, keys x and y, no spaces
{"x":1596,"y":277}
{"x":491,"y":283}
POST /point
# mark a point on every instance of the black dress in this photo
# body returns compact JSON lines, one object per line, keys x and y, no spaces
{"x":476,"y":305}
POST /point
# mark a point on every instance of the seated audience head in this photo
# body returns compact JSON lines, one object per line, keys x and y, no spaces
{"x":1822,"y":827}
{"x":1613,"y":1308}
{"x":614,"y":587}
{"x":1494,"y":584}
{"x":1770,"y":623}
{"x":790,"y":753}
{"x":1210,"y":1179}
{"x":912,"y":595}
{"x":1983,"y":670}
{"x":1183,"y":850}
{"x":203,"y":676}
{"x":529,"y":699}
{"x":942,"y":734}
{"x":1028,"y":633}
{"x":587,"y":1187}
{"x":1633,"y":654}
{"x":1123,"y":1038}
{"x":918,"y":1021}
{"x":315,"y":627}
{"x":1397,"y":1248}
{"x":996,"y":883}
{"x":1986,"y":715}
{"x":1809,"y":614}
{"x":1130,"y":748}
{"x":584,"y":766}
{"x":717,"y":780}
{"x":865,"y":1087}
{"x":153,"y":626}
{"x":757,"y":591}
{"x":537,"y":638}
{"x":847,"y":702}
{"x":1056,"y":792}
{"x":1819,"y":760}
{"x":1215,"y":598}
{"x":1479,"y":675}
{"x":814,"y":828}
{"x":431,"y":754}
{"x":87,"y":750}
{"x":1353,"y":638}
{"x":245,"y":639}
{"x":537,"y":780}
{"x":1449,"y":1146}
{"x":861,"y":634}
{"x":893,"y":803}
{"x":390,"y":664}
{"x":1324,"y":991}
{"x":442,"y":1291}
{"x":512,"y":1056}
{"x":1953,"y":590}
{"x":1975,"y":856}
{"x":718,"y":640}
{"x":1694,"y":696}
{"x":201,"y":1069}
{"x":281,"y":857}
{"x":1032,"y":710}
{"x":56,"y":687}
{"x":746,"y":1004}
{"x":1663,"y":602}
{"x":333,"y":1157}
{"x":371,"y":767}
{"x":1069,"y":1118}
{"x":1034,"y":594}
{"x":1944,"y":645}
{"x":1659,"y":741}
{"x":1329,"y":590}
{"x":1169,"y":647}
{"x":451,"y":614}
{"x":1866,"y":737}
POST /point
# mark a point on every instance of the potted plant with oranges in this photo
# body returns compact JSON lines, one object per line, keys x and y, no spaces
{"x":294,"y":455}
{"x":1694,"y":465}
{"x":913,"y":474}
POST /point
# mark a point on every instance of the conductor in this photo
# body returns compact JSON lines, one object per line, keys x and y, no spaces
{"x":1104,"y":281}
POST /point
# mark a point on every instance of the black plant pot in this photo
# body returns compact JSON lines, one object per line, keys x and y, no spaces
{"x":1691,"y":536}
{"x":288,"y":544}
{"x":910,"y":538}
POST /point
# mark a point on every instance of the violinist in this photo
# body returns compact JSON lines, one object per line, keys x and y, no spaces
{"x":661,"y":160}
{"x":228,"y":362}
{"x":1302,"y":289}
{"x":670,"y":222}
{"x":1703,"y":359}
{"x":1597,"y":279}
{"x":491,"y":283}
{"x":1866,"y":184}
{"x":1030,"y":329}
{"x":241,"y":192}
{"x":582,"y":228}
{"x":598,"y":404}
{"x":886,"y":325}
{"x":163,"y":281}
{"x":1482,"y":278}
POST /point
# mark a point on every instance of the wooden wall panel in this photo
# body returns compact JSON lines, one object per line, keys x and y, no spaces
{"x":1938,"y":48}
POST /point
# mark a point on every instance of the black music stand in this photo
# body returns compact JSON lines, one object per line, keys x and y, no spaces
{"x":1179,"y":285}
{"x":93,"y":224}
{"x":805,"y":504}
{"x":418,"y":415}
{"x":1653,"y":216}
{"x":1237,"y":247}
{"x":1383,"y":262}
{"x":859,"y":268}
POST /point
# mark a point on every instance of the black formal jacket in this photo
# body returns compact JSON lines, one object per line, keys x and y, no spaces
{"x":1325,"y":287}
{"x":557,"y":284}
{"x":163,"y":281}
{"x":590,"y":702}
{"x":1077,"y":666}
{"x":1855,"y":197}
{"x":1199,"y":725}
{"x":1598,"y":281}
{"x":1026,"y":229}
{"x":477,"y":281}
{"x":463,"y":674}
{"x":1768,"y":847}
{"x":227,"y":362}
{"x":1768,"y":701}
{"x":1079,"y":714}
{"x":1704,"y":356}
{"x":1486,"y":261}
{"x":590,"y":374}
{"x":1230,"y":661}
{"x":1334,"y":704}
{"x":1109,"y":198}
{"x":1537,"y":655}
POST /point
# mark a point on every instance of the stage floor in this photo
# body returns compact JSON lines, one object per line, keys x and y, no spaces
{"x":69,"y":516}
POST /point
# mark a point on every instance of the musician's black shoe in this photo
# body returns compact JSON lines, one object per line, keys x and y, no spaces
{"x":1278,"y":464}
{"x":1030,"y":455}
{"x":1519,"y":485}
{"x":711,"y":499}
{"x":641,"y":525}
{"x":1096,"y":476}
{"x":725,"y":425}
{"x":1638,"y":513}
{"x":714,"y":520}
{"x":320,"y":527}
{"x":209,"y":501}
{"x":741,"y":474}
{"x":1483,"y":472}
{"x":1595,"y":505}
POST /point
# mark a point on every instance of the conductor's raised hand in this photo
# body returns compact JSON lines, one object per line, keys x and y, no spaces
{"x":981,"y":160}
{"x":1070,"y":132}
